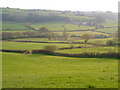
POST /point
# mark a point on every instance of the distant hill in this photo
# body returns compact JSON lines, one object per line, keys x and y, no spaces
{"x":19,"y":19}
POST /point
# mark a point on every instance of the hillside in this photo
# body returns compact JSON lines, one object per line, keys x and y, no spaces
{"x":20,"y":19}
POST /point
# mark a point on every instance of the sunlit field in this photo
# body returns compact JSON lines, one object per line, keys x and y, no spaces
{"x":44,"y":71}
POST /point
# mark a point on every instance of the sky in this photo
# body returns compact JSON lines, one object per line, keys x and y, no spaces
{"x":72,"y":5}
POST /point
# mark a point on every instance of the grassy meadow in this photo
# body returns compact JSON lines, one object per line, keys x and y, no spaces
{"x":44,"y":71}
{"x":108,"y":30}
{"x":58,"y":26}
{"x":47,"y":71}
{"x":9,"y":26}
{"x":28,"y":46}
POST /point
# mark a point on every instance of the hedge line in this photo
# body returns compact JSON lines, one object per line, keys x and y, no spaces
{"x":75,"y":47}
{"x":88,"y":55}
{"x":95,"y":55}
{"x":59,"y":42}
{"x":15,"y":51}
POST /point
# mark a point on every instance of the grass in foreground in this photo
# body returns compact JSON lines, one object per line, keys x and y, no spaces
{"x":44,"y":71}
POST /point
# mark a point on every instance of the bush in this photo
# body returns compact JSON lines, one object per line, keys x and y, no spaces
{"x":50,"y":47}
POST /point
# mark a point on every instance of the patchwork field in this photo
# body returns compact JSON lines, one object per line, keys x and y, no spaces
{"x":58,"y":26}
{"x":44,"y":71}
{"x":61,"y":40}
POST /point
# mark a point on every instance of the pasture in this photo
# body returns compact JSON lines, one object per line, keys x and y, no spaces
{"x":45,"y":71}
{"x":48,"y":71}
{"x":109,"y":23}
{"x":28,"y":46}
{"x":58,"y":26}
{"x":13,"y":26}
{"x":61,"y":30}
{"x":108,"y":30}
{"x":31,"y":46}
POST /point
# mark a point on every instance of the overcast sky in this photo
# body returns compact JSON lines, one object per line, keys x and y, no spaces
{"x":73,"y":5}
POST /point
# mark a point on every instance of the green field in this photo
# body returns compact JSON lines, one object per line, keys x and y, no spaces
{"x":82,"y":32}
{"x":108,"y":30}
{"x":58,"y":26}
{"x":13,"y":26}
{"x":94,"y":49}
{"x":100,"y":41}
{"x":27,"y":46}
{"x":29,"y":70}
{"x":110,"y":23}
{"x":31,"y":46}
{"x":44,"y":71}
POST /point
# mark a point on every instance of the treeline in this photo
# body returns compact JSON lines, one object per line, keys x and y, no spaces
{"x":43,"y":32}
{"x":84,"y":55}
{"x":15,"y":35}
{"x":33,"y":18}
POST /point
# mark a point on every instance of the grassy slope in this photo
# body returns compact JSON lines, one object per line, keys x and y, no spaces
{"x":110,"y":23}
{"x":43,"y":71}
{"x":13,"y":26}
{"x":80,"y":33}
{"x":108,"y":30}
{"x":53,"y":26}
{"x":100,"y":41}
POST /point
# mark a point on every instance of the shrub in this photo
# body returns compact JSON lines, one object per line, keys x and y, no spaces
{"x":50,"y":47}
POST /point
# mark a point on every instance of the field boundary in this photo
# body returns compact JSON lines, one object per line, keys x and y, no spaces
{"x":81,"y":55}
{"x":15,"y":51}
{"x":58,"y":42}
{"x":87,"y":55}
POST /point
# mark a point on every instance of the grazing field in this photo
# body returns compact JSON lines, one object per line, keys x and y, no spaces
{"x":89,"y":50}
{"x":44,"y":71}
{"x":110,"y":23}
{"x":59,"y":49}
{"x":82,"y":32}
{"x":13,"y":26}
{"x":58,"y":26}
{"x":27,"y":46}
{"x":31,"y":46}
{"x":108,"y":30}
{"x":100,"y":41}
